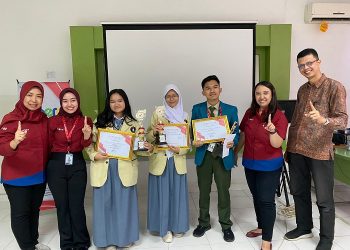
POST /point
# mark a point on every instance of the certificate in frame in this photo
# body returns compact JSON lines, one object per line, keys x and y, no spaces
{"x":208,"y":130}
{"x":177,"y":133}
{"x":117,"y":144}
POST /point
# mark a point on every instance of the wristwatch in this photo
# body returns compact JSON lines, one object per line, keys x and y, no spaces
{"x":273,"y":132}
{"x":326,"y":122}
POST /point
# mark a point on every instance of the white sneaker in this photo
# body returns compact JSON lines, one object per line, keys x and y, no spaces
{"x":40,"y":246}
{"x":111,"y":248}
{"x":178,"y":235}
{"x":168,"y":238}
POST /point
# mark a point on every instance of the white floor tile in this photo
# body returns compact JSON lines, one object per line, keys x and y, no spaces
{"x":241,"y":245}
{"x":284,"y":245}
{"x":195,"y":247}
{"x":341,"y":228}
{"x":343,"y":241}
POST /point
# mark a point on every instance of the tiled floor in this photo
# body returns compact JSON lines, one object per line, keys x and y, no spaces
{"x":242,"y":214}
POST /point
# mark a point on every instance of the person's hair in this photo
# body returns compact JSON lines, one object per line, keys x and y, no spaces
{"x":307,"y":52}
{"x":273,"y":105}
{"x":105,"y":118}
{"x":209,"y":78}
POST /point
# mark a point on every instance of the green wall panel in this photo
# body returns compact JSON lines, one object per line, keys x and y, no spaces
{"x":279,"y":70}
{"x":84,"y":69}
{"x":262,"y":35}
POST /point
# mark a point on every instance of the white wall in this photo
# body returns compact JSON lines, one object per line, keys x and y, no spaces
{"x":35,"y":34}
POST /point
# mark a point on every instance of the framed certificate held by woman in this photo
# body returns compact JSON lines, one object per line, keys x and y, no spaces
{"x":115,"y":143}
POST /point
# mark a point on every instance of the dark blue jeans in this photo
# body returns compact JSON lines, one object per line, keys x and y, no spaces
{"x":263,"y":185}
{"x":301,"y":169}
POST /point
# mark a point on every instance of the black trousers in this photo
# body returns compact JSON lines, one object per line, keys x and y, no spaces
{"x":263,"y":185}
{"x":25,"y":203}
{"x":68,"y":184}
{"x":301,"y":169}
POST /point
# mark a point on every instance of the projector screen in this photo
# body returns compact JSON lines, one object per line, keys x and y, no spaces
{"x":143,"y":58}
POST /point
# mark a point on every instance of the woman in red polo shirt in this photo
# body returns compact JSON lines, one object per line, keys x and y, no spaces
{"x":263,"y":129}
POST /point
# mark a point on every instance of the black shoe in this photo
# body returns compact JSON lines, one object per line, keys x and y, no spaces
{"x":324,"y":245}
{"x":200,"y":230}
{"x":297,"y":234}
{"x":228,"y":235}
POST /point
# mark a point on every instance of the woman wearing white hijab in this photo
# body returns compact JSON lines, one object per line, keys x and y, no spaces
{"x":168,"y":213}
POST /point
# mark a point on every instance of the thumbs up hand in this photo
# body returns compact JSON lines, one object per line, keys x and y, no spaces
{"x":314,"y":114}
{"x":270,"y":127}
{"x":20,"y":135}
{"x":86,"y":129}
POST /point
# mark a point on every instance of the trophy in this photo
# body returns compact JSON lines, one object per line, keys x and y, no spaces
{"x":161,"y":138}
{"x":140,"y":116}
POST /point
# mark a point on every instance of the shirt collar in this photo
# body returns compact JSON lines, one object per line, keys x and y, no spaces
{"x":319,"y":82}
{"x":216,"y":105}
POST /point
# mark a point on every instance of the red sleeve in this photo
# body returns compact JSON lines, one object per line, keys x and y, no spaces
{"x":244,"y":120}
{"x":86,"y":143}
{"x":281,"y":123}
{"x":7,"y":134}
{"x":52,"y":127}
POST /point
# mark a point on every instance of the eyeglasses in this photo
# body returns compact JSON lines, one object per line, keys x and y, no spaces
{"x":168,"y":97}
{"x":309,"y":64}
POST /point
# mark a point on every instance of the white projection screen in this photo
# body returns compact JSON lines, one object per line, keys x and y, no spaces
{"x":143,"y":58}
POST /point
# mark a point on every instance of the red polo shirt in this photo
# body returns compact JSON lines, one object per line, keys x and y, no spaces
{"x":258,"y":153}
{"x":58,"y":139}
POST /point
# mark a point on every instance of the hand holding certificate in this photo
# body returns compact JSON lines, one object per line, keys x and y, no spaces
{"x":116,"y":144}
{"x":176,"y":135}
{"x":210,"y":130}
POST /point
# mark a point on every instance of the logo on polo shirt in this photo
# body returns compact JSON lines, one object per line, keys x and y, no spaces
{"x":4,"y":128}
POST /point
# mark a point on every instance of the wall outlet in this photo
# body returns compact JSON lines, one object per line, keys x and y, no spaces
{"x":50,"y":74}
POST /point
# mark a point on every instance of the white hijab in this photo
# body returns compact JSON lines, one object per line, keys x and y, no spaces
{"x":176,"y":114}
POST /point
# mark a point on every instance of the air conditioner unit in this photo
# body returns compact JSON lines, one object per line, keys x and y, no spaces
{"x":330,"y":12}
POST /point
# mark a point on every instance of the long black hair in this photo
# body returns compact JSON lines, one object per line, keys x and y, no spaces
{"x":105,"y":118}
{"x":273,"y":105}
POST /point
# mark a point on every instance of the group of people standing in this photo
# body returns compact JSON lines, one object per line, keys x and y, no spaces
{"x":37,"y":149}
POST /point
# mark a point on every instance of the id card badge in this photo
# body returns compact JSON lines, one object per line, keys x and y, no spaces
{"x":69,"y":159}
{"x":211,"y":147}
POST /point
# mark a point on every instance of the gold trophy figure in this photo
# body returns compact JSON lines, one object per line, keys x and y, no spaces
{"x":160,"y":135}
{"x":140,"y":116}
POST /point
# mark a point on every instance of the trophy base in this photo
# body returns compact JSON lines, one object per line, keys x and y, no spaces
{"x":142,"y":149}
{"x":162,"y":143}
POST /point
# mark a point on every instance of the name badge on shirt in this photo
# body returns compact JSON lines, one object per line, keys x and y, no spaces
{"x":69,"y":159}
{"x":211,"y":147}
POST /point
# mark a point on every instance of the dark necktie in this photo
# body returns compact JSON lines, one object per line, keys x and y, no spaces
{"x":211,"y":109}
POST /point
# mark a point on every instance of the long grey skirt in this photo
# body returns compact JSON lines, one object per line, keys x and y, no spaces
{"x":168,"y":201}
{"x":115,"y":211}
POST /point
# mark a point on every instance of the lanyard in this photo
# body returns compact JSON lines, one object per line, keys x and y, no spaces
{"x":69,"y":134}
{"x":219,"y":113}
